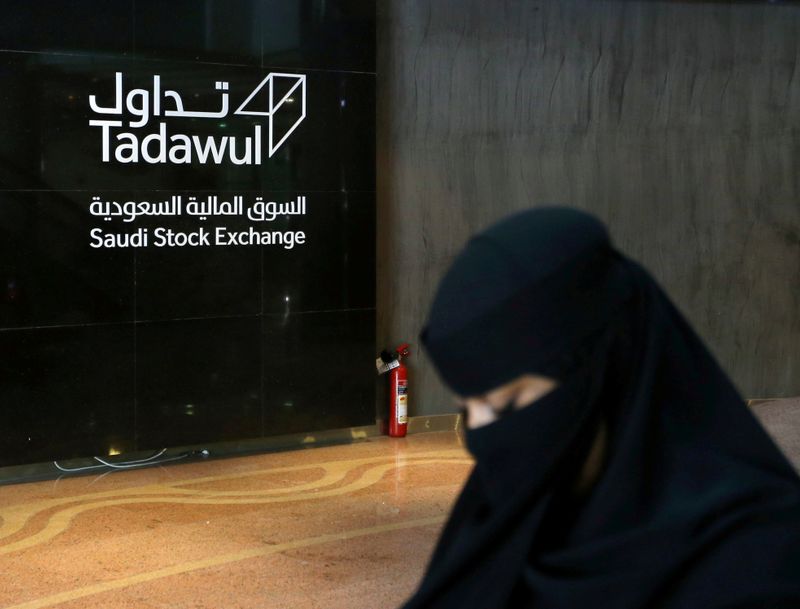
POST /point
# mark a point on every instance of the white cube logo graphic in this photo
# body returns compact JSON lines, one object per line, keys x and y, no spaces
{"x":297,"y":88}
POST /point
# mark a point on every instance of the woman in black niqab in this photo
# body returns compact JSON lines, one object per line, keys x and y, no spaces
{"x":694,"y":507}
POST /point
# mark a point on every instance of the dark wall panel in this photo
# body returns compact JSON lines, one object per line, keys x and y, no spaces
{"x":336,"y":35}
{"x":198,"y":381}
{"x":59,"y":26}
{"x":67,"y":392}
{"x":124,"y":329}
{"x":337,"y":349}
{"x":51,"y":276}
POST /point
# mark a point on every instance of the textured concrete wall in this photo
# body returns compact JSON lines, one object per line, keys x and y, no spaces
{"x":677,"y":123}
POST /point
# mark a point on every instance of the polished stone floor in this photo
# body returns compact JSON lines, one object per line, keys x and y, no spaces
{"x":337,"y":527}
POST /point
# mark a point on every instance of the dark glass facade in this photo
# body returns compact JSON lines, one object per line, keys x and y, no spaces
{"x":228,"y":325}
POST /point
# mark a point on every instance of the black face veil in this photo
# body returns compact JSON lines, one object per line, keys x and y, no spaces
{"x":695,"y":507}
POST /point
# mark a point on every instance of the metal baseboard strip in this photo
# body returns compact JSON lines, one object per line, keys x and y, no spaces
{"x":434,"y":422}
{"x":48,"y":471}
{"x":33,"y":472}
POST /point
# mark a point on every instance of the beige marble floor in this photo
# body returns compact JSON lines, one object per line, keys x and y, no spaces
{"x":338,"y":527}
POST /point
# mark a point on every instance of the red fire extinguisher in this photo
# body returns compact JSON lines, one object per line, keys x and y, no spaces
{"x":398,"y":388}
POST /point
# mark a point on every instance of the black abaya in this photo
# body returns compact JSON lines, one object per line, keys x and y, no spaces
{"x":695,"y":507}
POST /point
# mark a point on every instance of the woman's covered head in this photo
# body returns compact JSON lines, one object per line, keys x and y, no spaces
{"x":523,"y":297}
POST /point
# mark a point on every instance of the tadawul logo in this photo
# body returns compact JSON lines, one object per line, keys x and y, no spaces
{"x":280,"y":98}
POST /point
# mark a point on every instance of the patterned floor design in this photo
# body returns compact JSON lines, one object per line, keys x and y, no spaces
{"x":347,"y":526}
